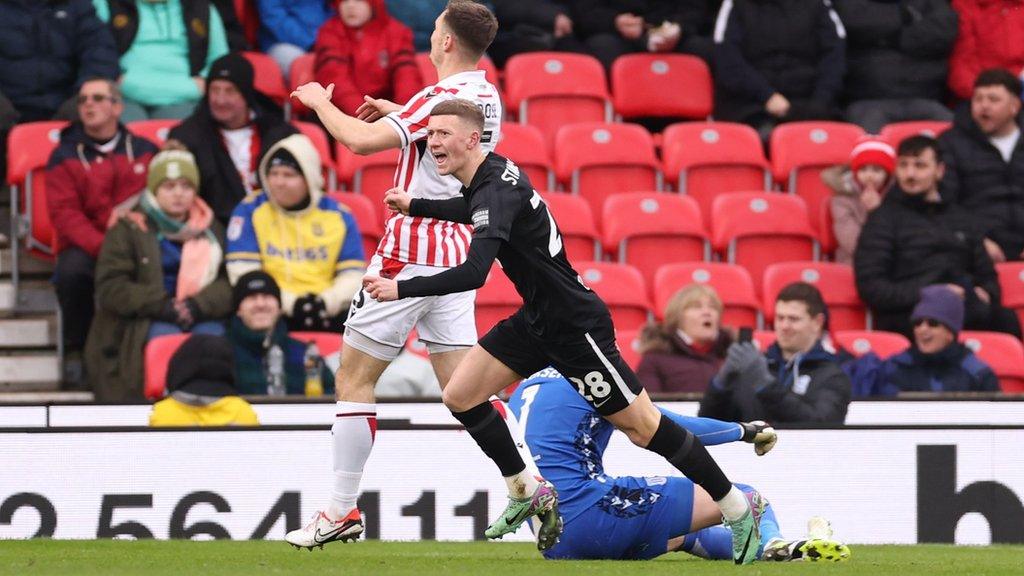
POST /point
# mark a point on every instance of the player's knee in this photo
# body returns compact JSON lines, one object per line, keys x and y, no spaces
{"x":352,"y":387}
{"x":456,"y":400}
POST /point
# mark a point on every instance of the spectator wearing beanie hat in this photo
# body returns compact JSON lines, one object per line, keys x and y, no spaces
{"x":201,"y":384}
{"x":256,"y":327}
{"x":857,"y":190}
{"x":160,"y":271}
{"x":166,"y":48}
{"x":936,"y":361}
{"x":229,"y":132}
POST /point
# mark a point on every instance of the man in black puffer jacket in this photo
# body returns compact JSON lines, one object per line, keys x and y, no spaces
{"x":778,"y":61}
{"x":897,"y":53}
{"x":984,"y":155}
{"x":915,"y":239}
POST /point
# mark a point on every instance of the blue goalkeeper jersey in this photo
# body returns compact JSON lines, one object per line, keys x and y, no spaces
{"x":568,"y":438}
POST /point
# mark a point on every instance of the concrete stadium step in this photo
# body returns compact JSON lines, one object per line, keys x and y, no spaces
{"x":34,"y":297}
{"x":28,"y":371}
{"x":31,"y":267}
{"x":31,"y":332}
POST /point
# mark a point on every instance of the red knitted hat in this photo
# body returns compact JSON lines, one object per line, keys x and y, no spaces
{"x":873,"y":150}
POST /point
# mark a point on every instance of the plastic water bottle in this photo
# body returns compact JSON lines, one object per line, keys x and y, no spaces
{"x":275,"y":369}
{"x":311,"y":361}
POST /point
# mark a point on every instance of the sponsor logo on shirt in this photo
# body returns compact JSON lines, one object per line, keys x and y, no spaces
{"x":298,"y":254}
{"x":481,"y":218}
{"x":235,"y":228}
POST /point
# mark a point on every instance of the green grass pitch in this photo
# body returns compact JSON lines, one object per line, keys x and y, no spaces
{"x":147,"y":558}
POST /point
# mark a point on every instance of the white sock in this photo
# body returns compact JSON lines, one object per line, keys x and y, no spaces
{"x":734,"y":505}
{"x":353,"y":433}
{"x":522,"y":485}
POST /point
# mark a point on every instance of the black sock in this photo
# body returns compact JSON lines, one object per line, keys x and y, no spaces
{"x":485,"y":425}
{"x":686,"y":452}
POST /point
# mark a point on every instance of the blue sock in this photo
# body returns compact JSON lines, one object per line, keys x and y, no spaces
{"x":715,"y":542}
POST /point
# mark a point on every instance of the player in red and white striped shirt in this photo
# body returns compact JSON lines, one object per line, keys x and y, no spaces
{"x":375,"y":332}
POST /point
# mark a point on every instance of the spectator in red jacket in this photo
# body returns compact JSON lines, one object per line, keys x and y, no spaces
{"x":94,"y":176}
{"x":683,"y":353}
{"x":991,"y":36}
{"x":363,"y":51}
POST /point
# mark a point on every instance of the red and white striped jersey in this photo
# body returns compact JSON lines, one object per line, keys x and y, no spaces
{"x":427,"y":241}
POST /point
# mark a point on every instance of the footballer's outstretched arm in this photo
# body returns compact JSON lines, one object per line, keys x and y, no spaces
{"x":356,"y":135}
{"x":451,"y":209}
{"x":469,"y":275}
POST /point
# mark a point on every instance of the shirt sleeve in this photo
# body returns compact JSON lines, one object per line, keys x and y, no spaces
{"x":351,"y":255}
{"x":243,"y":246}
{"x":494,"y":208}
{"x":411,"y":121}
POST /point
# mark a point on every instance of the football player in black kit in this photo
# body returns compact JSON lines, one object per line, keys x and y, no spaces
{"x":562,"y":323}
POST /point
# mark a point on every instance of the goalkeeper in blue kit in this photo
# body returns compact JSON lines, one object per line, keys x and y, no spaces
{"x":640,"y":518}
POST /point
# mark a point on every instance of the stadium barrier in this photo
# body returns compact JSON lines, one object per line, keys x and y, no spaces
{"x":1001,"y":411}
{"x":878,"y":485}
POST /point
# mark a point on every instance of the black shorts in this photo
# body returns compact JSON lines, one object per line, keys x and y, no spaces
{"x":590,"y":360}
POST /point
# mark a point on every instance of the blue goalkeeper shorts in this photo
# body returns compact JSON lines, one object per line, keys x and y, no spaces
{"x":634,"y":521}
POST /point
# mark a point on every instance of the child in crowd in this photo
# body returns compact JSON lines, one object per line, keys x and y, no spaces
{"x":859,"y":188}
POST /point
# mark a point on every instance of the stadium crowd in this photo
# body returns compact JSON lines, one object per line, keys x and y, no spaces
{"x":229,"y":225}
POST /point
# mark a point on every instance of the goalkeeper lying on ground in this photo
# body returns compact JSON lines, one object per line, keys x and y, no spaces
{"x":641,"y":517}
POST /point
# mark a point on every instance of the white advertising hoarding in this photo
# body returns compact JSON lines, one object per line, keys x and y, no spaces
{"x":877,"y":485}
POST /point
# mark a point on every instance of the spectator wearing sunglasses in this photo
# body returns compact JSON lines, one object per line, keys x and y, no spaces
{"x":93,"y":177}
{"x":936,"y":361}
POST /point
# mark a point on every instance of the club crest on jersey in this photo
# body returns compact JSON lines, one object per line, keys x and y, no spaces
{"x":318,"y":229}
{"x":481,"y":218}
{"x":235,"y":228}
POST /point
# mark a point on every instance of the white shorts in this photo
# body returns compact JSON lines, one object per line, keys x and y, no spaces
{"x":443,"y":322}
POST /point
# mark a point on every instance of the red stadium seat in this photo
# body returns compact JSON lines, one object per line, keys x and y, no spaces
{"x":801,"y":150}
{"x":646,"y":230}
{"x":1003,"y":353}
{"x":303,"y":71}
{"x":553,"y":89}
{"x":268,"y":78}
{"x":835,"y":281}
{"x":763,"y":339}
{"x":732,"y":283}
{"x":664,"y":85}
{"x":29,"y":146}
{"x":628,"y":342}
{"x":576,"y":223}
{"x":826,"y":230}
{"x":153,"y":130}
{"x":757,"y":229}
{"x":860,"y":342}
{"x":327,"y":342}
{"x":525,"y":145}
{"x":1011,"y":282}
{"x":704,"y":159}
{"x":429,"y":74}
{"x":496,"y":300}
{"x":371,"y":175}
{"x":895,"y":133}
{"x":596,"y":160}
{"x":157,"y":356}
{"x":317,"y":136}
{"x":371,"y":225}
{"x":622,"y":288}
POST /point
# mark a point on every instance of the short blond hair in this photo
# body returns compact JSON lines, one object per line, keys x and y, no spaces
{"x":654,"y":336}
